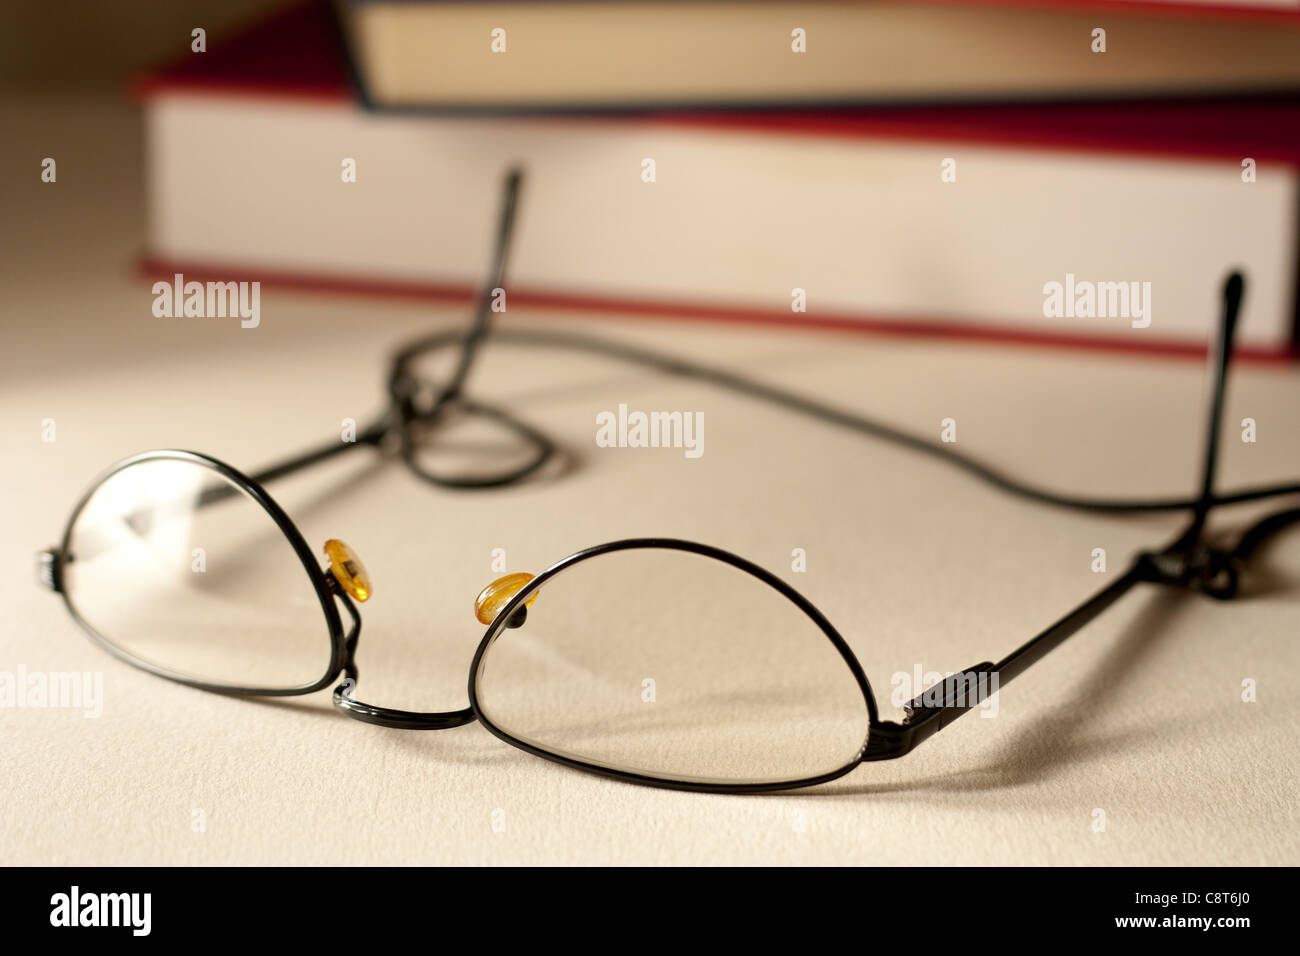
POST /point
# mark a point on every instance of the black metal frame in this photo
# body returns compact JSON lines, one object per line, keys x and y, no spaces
{"x":507,"y":619}
{"x":1190,"y":561}
{"x":322,"y":581}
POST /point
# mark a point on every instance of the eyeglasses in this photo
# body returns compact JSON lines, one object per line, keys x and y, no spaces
{"x":657,"y":661}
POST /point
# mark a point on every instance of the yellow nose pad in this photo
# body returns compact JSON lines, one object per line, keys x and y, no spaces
{"x":497,"y":595}
{"x":348,"y":569}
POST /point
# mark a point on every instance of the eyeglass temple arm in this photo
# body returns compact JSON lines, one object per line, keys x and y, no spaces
{"x":399,"y":378}
{"x":371,"y":435}
{"x":374,"y":433}
{"x":935,"y":709}
{"x":1219,"y":357}
{"x":496,"y":280}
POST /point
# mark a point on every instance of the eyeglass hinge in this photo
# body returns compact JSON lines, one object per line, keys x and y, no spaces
{"x":49,"y":570}
{"x":888,"y":740}
{"x":956,"y":693}
{"x":1200,"y":568}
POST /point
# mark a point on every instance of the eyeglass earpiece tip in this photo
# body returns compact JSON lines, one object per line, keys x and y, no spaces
{"x":493,"y":598}
{"x":348,"y":570}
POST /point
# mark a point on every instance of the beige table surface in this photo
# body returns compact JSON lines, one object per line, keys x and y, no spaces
{"x":1139,"y":716}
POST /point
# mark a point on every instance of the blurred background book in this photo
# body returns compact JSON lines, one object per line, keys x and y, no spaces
{"x":643,"y":53}
{"x":930,"y":217}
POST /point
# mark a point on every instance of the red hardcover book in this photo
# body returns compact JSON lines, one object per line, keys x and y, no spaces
{"x":1101,"y":224}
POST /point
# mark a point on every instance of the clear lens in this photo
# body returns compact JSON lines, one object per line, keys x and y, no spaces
{"x":179,"y":568}
{"x":677,"y":666}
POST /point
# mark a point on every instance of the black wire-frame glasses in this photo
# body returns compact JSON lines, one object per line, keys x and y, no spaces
{"x":658,"y":661}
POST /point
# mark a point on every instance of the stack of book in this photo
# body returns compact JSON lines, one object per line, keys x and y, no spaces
{"x":1024,"y":170}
